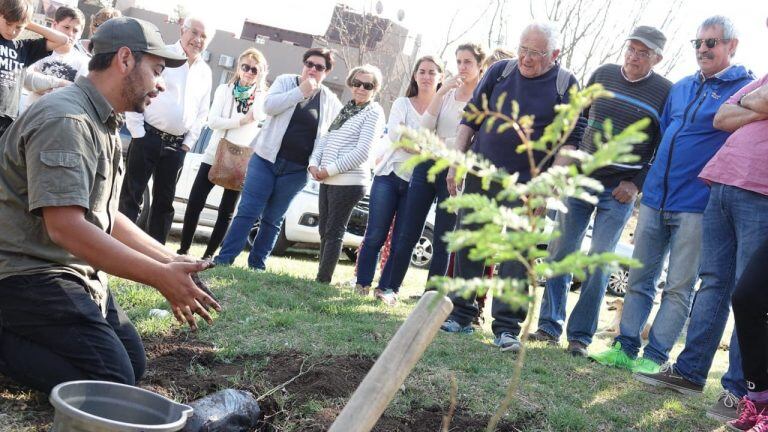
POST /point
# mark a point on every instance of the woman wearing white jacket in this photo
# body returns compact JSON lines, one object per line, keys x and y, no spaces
{"x":236,"y":111}
{"x":339,"y":162}
{"x":300,"y":109}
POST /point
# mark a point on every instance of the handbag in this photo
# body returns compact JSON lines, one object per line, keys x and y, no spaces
{"x":231,"y":162}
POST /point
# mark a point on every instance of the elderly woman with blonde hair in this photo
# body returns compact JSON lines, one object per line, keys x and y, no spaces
{"x":339,"y":162}
{"x":235,"y":113}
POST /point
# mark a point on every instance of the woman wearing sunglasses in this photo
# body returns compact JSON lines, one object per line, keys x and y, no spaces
{"x":236,"y":111}
{"x":299,"y":111}
{"x":339,"y":162}
{"x":390,"y":184}
{"x":442,"y":116}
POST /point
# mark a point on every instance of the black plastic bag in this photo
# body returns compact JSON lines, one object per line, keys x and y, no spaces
{"x":224,"y":411}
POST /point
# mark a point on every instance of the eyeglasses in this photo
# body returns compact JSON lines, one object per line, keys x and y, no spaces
{"x":710,"y":42}
{"x":643,"y":55}
{"x":252,"y":69}
{"x":318,"y":67}
{"x":366,"y":85}
{"x":533,"y":54}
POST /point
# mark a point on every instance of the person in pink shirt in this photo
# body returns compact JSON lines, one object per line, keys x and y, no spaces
{"x":735,"y":227}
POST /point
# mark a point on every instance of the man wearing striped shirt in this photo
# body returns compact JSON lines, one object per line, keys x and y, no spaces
{"x":639,"y":92}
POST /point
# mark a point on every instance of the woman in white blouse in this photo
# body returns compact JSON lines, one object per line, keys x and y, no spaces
{"x":236,"y":111}
{"x":339,"y":163}
{"x":442,"y":116}
{"x":390,"y":184}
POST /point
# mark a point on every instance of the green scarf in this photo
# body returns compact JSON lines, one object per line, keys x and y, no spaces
{"x":243,"y":96}
{"x":349,"y":111}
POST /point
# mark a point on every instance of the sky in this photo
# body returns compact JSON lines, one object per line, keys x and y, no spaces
{"x":431,"y":19}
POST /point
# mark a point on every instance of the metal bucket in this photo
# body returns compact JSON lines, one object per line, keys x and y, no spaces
{"x":100,"y":406}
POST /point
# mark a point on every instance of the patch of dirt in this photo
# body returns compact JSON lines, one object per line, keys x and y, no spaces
{"x":187,"y":369}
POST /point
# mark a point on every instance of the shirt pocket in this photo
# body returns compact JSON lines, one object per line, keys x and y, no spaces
{"x":62,"y":171}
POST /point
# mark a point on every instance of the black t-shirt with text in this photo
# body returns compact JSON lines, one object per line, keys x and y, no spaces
{"x":14,"y":57}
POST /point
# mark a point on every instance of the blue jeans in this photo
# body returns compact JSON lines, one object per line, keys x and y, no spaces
{"x":610,"y":218}
{"x":735,"y":225}
{"x":660,"y":233}
{"x":268,"y":191}
{"x":388,"y":199}
{"x":421,"y":195}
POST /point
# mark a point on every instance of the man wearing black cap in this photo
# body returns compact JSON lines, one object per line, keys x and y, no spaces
{"x":164,"y":132}
{"x":60,"y":172}
{"x":639,"y":92}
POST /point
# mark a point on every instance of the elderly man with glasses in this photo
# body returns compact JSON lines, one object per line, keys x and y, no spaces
{"x":639,"y":92}
{"x":162,"y":135}
{"x":537,"y":82}
{"x":671,"y":214}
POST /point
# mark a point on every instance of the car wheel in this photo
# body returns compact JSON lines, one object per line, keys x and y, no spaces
{"x":282,"y":244}
{"x":421,"y":256}
{"x":252,"y":235}
{"x":143,"y":220}
{"x":351,"y":253}
{"x":618,"y":282}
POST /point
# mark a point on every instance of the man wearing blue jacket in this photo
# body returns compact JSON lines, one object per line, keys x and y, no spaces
{"x":674,"y":199}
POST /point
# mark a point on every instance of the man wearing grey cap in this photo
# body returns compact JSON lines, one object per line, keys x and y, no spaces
{"x":673,"y":201}
{"x":639,"y":93}
{"x":60,"y":172}
{"x":164,"y":132}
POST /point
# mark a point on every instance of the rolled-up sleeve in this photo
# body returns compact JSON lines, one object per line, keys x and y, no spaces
{"x":61,"y":164}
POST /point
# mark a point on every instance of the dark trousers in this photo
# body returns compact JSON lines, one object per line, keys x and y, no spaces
{"x":201,"y":188}
{"x":750,"y":306}
{"x":5,"y":123}
{"x":149,"y":157}
{"x":421,"y":195}
{"x":336,"y":204}
{"x":51,"y":331}
{"x":387,"y":203}
{"x":505,"y":317}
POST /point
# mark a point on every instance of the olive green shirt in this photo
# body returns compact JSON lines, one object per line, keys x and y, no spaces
{"x":62,"y":151}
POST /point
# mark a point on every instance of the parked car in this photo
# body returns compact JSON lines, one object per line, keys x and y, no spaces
{"x":301,"y":225}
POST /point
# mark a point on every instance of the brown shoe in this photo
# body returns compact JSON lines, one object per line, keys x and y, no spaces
{"x":362,"y":290}
{"x":542,"y":336}
{"x":577,"y":349}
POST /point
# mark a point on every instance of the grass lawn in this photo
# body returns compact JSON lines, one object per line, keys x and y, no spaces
{"x":278,"y":323}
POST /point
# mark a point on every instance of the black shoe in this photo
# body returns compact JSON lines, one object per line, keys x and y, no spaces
{"x":577,"y":349}
{"x":542,"y":336}
{"x":668,"y":378}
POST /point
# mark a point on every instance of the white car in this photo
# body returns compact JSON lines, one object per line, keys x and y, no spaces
{"x":300,"y":227}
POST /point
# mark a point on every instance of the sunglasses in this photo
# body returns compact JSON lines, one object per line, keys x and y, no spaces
{"x":366,"y":85}
{"x":710,"y":42}
{"x":318,"y":67}
{"x":252,"y":69}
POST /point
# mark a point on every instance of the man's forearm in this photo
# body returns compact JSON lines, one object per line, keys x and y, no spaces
{"x":68,"y":228}
{"x":127,"y":233}
{"x":464,"y":138}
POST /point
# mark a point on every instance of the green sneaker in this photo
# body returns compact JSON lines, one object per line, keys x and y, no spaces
{"x":643,"y":365}
{"x":614,"y":357}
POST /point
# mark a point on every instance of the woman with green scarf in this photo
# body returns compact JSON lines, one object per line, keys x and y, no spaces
{"x":340,"y":163}
{"x":236,"y":111}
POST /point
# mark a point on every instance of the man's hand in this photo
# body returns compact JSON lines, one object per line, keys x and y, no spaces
{"x":308,"y":86}
{"x":184,"y":296}
{"x":452,"y":182}
{"x":314,"y":171}
{"x":625,"y":192}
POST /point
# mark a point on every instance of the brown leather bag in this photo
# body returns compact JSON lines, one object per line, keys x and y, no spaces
{"x":231,"y":162}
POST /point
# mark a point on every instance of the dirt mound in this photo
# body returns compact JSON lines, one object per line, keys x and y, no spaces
{"x":328,"y":377}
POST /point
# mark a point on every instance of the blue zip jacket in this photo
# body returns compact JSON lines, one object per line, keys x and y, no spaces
{"x":690,"y":140}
